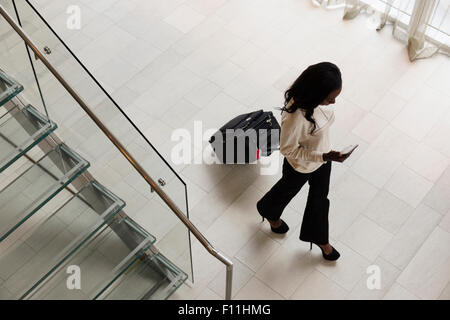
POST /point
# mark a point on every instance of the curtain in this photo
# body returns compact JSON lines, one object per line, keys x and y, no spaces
{"x":417,"y":23}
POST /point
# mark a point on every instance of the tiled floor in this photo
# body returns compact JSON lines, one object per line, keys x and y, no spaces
{"x":172,"y":62}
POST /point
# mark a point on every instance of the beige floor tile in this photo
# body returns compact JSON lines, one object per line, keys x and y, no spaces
{"x":176,"y":116}
{"x":412,"y":80}
{"x":256,"y":252}
{"x":319,"y":287}
{"x":427,"y":162}
{"x":198,"y":35}
{"x":161,"y":34}
{"x":438,"y":198}
{"x":366,"y":289}
{"x":436,"y":138}
{"x":184,"y":18}
{"x":97,"y":26}
{"x":212,"y":54}
{"x":411,"y":236}
{"x":139,"y":54}
{"x":428,"y":272}
{"x":206,"y":6}
{"x":438,"y":78}
{"x":206,"y":176}
{"x":370,"y":127}
{"x":397,"y":292}
{"x":224,"y":74}
{"x":384,"y":156}
{"x":202,"y":95}
{"x":246,"y":56}
{"x":366,"y":237}
{"x":389,"y":106}
{"x":408,"y":186}
{"x":417,"y":121}
{"x":208,"y":294}
{"x":348,"y":270}
{"x":119,"y":10}
{"x":342,"y":214}
{"x":347,"y":116}
{"x":388,"y":211}
{"x":237,"y":225}
{"x":101,"y":5}
{"x":255,"y":289}
{"x":368,"y":90}
{"x":356,"y":201}
{"x":445,"y":294}
{"x":223,"y":195}
{"x":4,"y":293}
{"x":445,"y":222}
{"x":266,"y":69}
{"x":296,"y":262}
{"x":245,"y":89}
{"x":154,"y":71}
{"x":174,"y":85}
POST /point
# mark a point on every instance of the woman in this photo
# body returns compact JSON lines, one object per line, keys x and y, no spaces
{"x":305,"y":144}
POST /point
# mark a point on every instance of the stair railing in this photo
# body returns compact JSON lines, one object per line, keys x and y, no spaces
{"x":153,"y":186}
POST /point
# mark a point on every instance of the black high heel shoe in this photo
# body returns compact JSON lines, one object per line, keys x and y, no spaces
{"x":283,"y":228}
{"x":333,"y":256}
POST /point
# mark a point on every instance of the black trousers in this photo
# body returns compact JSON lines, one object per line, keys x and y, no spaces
{"x":315,"y":219}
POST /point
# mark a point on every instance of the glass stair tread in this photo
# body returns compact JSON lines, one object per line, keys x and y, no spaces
{"x":61,"y":234}
{"x":151,"y":278}
{"x":24,"y":196}
{"x":9,"y":88}
{"x":21,"y":130}
{"x":101,"y":261}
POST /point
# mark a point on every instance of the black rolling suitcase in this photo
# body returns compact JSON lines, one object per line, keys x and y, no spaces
{"x":246,"y":138}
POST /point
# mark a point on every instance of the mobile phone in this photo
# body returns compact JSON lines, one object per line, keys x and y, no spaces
{"x":348,"y":150}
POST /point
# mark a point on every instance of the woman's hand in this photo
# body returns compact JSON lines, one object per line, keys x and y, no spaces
{"x":334,"y":156}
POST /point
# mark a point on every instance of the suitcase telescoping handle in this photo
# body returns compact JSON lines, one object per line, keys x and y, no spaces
{"x":251,"y":116}
{"x":269,"y":120}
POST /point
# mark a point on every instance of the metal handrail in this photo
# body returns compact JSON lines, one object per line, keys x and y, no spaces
{"x":217,"y":254}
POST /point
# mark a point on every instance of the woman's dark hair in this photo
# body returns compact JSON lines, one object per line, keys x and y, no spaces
{"x":312,"y":87}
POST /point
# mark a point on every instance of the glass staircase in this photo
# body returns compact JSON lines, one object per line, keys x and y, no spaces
{"x":101,"y":260}
{"x":9,"y":88}
{"x":85,"y":198}
{"x":36,"y":186}
{"x":115,"y":256}
{"x":164,"y":277}
{"x":61,"y":234}
{"x":21,"y":130}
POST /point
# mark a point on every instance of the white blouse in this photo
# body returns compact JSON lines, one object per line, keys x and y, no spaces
{"x":303,"y":149}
